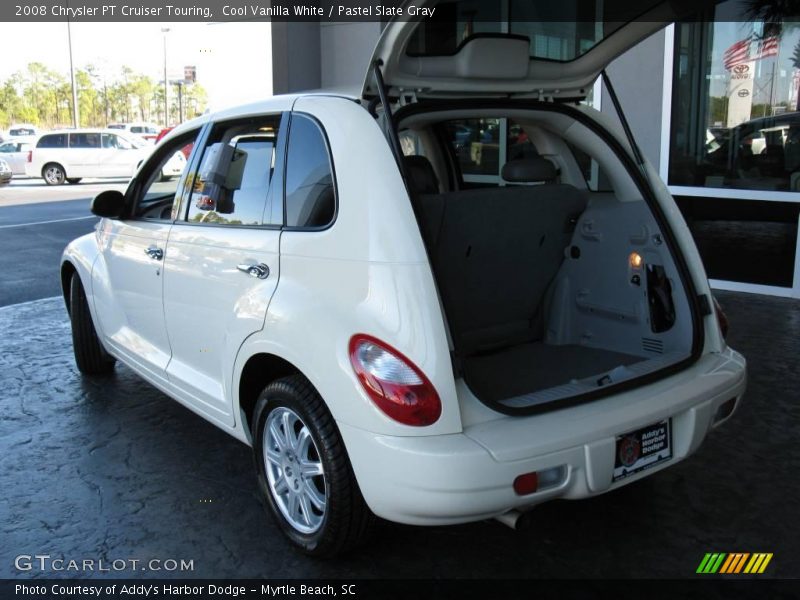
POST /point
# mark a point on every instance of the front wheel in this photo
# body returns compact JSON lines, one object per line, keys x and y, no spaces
{"x":303,"y":471}
{"x":54,"y":174}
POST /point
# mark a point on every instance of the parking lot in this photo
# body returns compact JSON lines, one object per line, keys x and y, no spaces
{"x":110,"y":468}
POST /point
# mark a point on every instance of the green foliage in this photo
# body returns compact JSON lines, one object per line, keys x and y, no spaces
{"x":43,"y":97}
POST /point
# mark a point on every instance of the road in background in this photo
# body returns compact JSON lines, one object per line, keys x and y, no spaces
{"x":36,"y":223}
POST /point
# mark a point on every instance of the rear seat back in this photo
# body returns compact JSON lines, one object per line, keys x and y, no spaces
{"x":495,"y":252}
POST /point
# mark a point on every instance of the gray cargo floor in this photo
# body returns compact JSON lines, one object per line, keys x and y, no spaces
{"x":536,"y":366}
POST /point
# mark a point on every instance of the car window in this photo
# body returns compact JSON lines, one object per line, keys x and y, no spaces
{"x":482,"y":146}
{"x":84,"y":140}
{"x":54,"y":140}
{"x":114,"y":141}
{"x":8,"y":148}
{"x":137,"y":129}
{"x":236,"y":169}
{"x":162,"y":176}
{"x":310,"y":195}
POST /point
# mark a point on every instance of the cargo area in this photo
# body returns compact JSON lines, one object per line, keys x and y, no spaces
{"x":551,"y":290}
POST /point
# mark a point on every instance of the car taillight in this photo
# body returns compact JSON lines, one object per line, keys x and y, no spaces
{"x":722,"y":318}
{"x":30,"y":155}
{"x":393,"y":382}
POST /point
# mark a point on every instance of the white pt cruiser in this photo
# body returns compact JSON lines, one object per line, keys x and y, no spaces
{"x":452,"y":296}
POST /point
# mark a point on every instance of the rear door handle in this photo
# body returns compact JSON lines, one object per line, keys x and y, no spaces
{"x":154,"y":253}
{"x":260,"y":270}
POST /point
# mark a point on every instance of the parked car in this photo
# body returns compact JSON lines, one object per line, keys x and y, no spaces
{"x":5,"y":172}
{"x":146,"y":131}
{"x":15,"y":153}
{"x":763,"y":152}
{"x":22,"y":130}
{"x":391,"y":339}
{"x":71,"y":155}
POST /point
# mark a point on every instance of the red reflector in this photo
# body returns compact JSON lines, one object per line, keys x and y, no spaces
{"x":30,"y":155}
{"x":526,"y":484}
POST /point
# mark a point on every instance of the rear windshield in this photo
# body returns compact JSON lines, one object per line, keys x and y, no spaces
{"x":559,"y":31}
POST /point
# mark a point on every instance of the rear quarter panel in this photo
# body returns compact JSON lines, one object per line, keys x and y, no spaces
{"x":367,"y":273}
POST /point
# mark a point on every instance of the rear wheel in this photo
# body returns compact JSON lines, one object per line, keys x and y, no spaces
{"x":54,"y":174}
{"x":73,"y":180}
{"x":90,"y":356}
{"x":304,"y":474}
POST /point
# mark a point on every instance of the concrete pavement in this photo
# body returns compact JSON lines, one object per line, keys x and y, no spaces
{"x":111,"y":468}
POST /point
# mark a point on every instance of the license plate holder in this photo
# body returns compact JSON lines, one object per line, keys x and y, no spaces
{"x":642,"y":449}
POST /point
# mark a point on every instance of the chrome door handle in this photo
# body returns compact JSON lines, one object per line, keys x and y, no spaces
{"x":260,"y":270}
{"x":155,"y":253}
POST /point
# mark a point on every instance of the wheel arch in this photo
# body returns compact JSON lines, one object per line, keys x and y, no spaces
{"x":259,"y":371}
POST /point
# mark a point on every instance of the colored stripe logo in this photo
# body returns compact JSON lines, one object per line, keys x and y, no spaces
{"x":734,"y":563}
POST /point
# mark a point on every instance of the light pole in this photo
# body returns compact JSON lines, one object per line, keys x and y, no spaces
{"x":72,"y":79}
{"x":165,"y":31}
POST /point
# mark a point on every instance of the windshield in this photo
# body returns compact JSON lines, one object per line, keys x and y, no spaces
{"x":559,"y":31}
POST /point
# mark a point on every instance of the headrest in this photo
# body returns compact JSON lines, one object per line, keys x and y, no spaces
{"x":421,"y":176}
{"x":529,"y":170}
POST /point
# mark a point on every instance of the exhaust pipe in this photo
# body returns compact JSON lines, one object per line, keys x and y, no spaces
{"x":516,"y":520}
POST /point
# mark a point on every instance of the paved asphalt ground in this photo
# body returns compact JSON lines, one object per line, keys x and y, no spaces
{"x":36,"y":222}
{"x":111,"y":468}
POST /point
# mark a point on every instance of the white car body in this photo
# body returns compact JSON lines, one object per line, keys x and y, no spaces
{"x":15,"y":153}
{"x":196,"y":328}
{"x":114,"y":155}
{"x":146,"y":131}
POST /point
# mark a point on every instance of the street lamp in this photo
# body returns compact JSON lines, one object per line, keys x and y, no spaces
{"x":75,"y":123}
{"x":165,"y":31}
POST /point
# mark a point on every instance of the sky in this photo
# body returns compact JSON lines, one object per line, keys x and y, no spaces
{"x":233,"y":60}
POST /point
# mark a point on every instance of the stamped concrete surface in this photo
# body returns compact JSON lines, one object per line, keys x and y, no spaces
{"x":111,"y":469}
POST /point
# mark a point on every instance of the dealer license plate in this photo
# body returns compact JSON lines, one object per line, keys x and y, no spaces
{"x":642,"y":449}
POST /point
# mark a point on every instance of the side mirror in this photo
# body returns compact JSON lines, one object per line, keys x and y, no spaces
{"x":109,"y":203}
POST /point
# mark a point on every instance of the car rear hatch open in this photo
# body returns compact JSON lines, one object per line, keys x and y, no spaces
{"x":551,"y":299}
{"x":512,"y":48}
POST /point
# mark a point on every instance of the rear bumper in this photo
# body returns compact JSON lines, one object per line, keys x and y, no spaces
{"x":437,"y":480}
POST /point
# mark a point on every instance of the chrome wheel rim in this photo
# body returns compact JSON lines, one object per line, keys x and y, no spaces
{"x":53,"y":174}
{"x":294,"y":470}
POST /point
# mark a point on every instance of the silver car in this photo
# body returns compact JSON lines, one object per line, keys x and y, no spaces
{"x":5,"y":172}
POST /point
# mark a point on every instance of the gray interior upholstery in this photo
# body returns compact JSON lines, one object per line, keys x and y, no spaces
{"x":529,"y":170}
{"x":495,"y":252}
{"x":421,"y":176}
{"x":536,"y":366}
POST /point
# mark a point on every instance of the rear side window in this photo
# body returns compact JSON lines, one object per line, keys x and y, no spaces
{"x":235,"y":173}
{"x":310,"y":195}
{"x":84,"y":140}
{"x":54,"y":140}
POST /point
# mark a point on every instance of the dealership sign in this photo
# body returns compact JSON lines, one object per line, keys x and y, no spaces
{"x":740,"y":94}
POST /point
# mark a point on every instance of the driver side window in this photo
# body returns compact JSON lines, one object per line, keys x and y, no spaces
{"x":161,"y":177}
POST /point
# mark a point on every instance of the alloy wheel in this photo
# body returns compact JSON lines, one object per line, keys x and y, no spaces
{"x":295,"y":472}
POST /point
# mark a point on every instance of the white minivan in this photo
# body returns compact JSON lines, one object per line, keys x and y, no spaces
{"x":70,"y":155}
{"x":419,"y":301}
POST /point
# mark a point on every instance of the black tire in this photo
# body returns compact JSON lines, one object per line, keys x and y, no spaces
{"x":90,"y":356}
{"x":73,"y":180}
{"x":54,"y":174}
{"x":347,"y":522}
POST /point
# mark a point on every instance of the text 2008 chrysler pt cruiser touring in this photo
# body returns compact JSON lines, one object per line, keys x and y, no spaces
{"x":453,"y":296}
